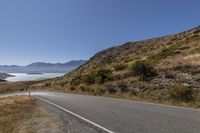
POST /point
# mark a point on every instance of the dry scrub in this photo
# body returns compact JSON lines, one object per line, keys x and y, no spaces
{"x":14,"y":110}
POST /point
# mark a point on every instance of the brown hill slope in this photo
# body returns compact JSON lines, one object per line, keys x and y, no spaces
{"x":165,"y":68}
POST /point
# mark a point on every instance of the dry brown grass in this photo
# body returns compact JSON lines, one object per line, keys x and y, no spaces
{"x":13,"y":110}
{"x":15,"y":86}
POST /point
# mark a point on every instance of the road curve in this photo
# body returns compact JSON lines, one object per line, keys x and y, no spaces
{"x":124,"y":116}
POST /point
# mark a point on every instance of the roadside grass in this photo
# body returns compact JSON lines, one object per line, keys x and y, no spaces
{"x":8,"y":87}
{"x":14,"y":110}
{"x":133,"y":95}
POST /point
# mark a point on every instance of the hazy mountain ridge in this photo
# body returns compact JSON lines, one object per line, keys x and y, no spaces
{"x":43,"y":67}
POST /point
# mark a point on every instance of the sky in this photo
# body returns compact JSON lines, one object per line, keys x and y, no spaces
{"x":63,"y":30}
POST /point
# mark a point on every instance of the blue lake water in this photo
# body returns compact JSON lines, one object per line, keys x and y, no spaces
{"x":29,"y":77}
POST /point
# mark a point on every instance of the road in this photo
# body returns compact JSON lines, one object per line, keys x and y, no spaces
{"x":124,"y":116}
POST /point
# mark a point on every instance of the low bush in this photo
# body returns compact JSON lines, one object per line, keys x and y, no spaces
{"x":119,"y":67}
{"x":144,"y":70}
{"x":89,"y":79}
{"x":122,"y":86}
{"x":72,"y":88}
{"x":99,"y":91}
{"x":180,"y":92}
{"x":82,"y":88}
{"x":98,"y":75}
{"x":75,"y":81}
{"x":133,"y":92}
{"x":110,"y":88}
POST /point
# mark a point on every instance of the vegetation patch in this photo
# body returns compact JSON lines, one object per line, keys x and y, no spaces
{"x":120,"y":67}
{"x":180,"y":92}
{"x":76,"y":81}
{"x":111,"y":88}
{"x":13,"y":111}
{"x":122,"y":86}
{"x":16,"y":86}
{"x":144,"y":70}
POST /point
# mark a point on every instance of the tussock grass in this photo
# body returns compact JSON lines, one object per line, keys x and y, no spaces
{"x":15,"y":86}
{"x":13,"y":110}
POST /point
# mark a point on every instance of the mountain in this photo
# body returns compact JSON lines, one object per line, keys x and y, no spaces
{"x":159,"y":69}
{"x":41,"y":67}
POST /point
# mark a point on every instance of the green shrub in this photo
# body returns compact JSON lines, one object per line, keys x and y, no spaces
{"x":119,"y":67}
{"x":82,"y":88}
{"x":180,"y":92}
{"x":89,"y":79}
{"x":97,"y":75}
{"x":75,"y":81}
{"x":122,"y":86}
{"x":144,"y":70}
{"x":72,"y":88}
{"x":100,"y":91}
{"x":101,"y":75}
{"x":110,"y":89}
{"x":159,"y":56}
{"x":133,"y":92}
{"x":47,"y":84}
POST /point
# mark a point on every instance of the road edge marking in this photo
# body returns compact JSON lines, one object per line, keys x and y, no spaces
{"x":76,"y":115}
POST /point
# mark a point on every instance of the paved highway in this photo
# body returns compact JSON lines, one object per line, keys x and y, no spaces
{"x":123,"y":116}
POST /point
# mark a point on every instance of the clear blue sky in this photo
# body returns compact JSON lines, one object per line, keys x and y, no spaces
{"x":62,"y":30}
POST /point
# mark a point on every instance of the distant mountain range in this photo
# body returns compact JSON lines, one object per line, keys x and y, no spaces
{"x":41,"y":67}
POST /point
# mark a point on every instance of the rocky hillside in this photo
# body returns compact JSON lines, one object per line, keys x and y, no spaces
{"x":158,"y":69}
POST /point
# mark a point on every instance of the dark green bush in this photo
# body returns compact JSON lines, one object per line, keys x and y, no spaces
{"x":180,"y":92}
{"x":89,"y":79}
{"x":119,"y":67}
{"x":83,"y":88}
{"x":100,"y":75}
{"x":144,"y":70}
{"x":100,"y":91}
{"x":72,"y":88}
{"x":122,"y":86}
{"x":133,"y":92}
{"x":103,"y":75}
{"x":97,"y":75}
{"x":75,"y":81}
{"x":110,"y":88}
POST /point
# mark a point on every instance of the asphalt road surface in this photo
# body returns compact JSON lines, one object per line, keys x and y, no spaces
{"x":124,"y":116}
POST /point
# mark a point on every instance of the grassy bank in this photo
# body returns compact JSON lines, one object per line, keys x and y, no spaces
{"x":13,"y":111}
{"x":8,"y":87}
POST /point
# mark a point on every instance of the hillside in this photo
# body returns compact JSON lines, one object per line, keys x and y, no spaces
{"x":41,"y":67}
{"x":159,"y":69}
{"x":3,"y":76}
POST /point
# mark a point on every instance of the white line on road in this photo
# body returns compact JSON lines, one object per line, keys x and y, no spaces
{"x":76,"y":115}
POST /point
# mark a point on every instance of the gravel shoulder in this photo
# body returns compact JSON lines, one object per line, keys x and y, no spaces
{"x":48,"y":119}
{"x":25,"y":114}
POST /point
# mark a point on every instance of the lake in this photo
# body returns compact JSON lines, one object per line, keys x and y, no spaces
{"x":29,"y":77}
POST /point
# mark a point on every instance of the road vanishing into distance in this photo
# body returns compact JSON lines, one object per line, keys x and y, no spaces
{"x":124,"y":116}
